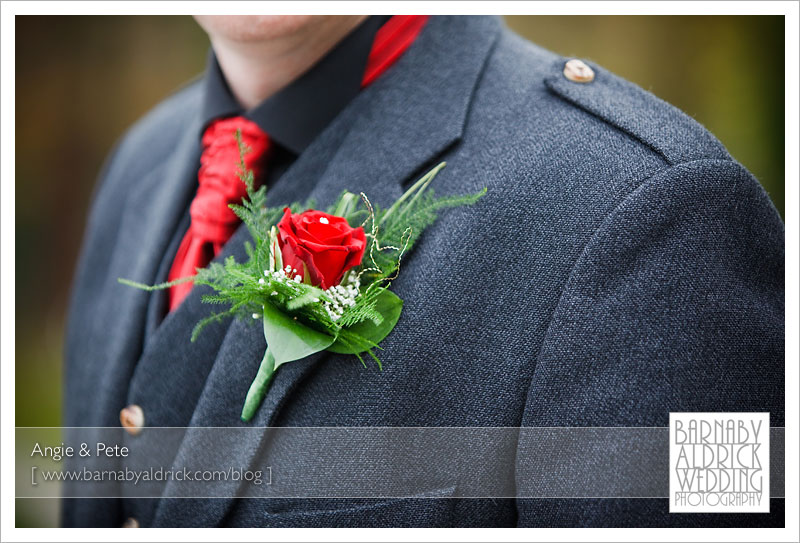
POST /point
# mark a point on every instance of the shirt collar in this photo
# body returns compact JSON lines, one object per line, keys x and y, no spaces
{"x":295,"y":115}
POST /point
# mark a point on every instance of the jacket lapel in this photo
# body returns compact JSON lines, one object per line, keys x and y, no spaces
{"x":390,"y":134}
{"x":418,"y":109}
{"x":152,"y":207}
{"x":173,"y":367}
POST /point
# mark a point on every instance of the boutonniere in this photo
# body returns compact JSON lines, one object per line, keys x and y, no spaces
{"x":317,"y":280}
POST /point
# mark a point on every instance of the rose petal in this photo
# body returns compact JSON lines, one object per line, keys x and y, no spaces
{"x":328,"y":250}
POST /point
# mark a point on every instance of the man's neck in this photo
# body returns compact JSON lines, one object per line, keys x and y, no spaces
{"x":255,"y":70}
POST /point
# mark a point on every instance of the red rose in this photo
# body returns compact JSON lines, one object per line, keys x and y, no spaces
{"x":326,"y":244}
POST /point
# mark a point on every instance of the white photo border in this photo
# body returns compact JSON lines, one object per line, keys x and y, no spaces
{"x":8,"y":11}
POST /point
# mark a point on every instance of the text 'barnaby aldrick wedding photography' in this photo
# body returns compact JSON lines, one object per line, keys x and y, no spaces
{"x":719,"y":462}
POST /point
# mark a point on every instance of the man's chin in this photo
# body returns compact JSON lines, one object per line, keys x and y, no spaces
{"x":256,"y":28}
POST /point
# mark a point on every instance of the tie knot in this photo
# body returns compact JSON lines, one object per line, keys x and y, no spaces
{"x":220,"y":184}
{"x":220,"y":134}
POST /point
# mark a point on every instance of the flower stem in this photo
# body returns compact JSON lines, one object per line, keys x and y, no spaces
{"x":259,"y":387}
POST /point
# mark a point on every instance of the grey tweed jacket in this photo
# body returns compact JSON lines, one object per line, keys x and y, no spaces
{"x":621,"y":266}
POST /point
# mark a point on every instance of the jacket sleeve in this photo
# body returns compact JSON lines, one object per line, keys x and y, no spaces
{"x":675,"y":304}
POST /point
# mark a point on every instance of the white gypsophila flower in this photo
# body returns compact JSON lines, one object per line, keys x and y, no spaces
{"x":342,"y":297}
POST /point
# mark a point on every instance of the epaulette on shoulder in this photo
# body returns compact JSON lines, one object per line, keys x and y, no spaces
{"x":663,"y":127}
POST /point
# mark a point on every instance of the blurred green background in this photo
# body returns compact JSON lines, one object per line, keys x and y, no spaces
{"x":81,"y":80}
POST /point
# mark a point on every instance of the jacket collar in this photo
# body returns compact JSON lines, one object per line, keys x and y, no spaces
{"x":410,"y":116}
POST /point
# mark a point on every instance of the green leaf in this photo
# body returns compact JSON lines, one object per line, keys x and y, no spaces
{"x":304,"y":299}
{"x":346,"y":205}
{"x":390,"y":306}
{"x":415,"y":189}
{"x":275,"y":258}
{"x":288,"y":339}
{"x":149,"y":288}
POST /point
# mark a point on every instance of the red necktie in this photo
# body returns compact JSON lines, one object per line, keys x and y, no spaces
{"x":391,"y":41}
{"x":213,"y":222}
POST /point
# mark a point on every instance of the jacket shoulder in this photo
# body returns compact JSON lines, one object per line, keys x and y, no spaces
{"x":626,"y":106}
{"x":619,"y":104}
{"x":145,"y":145}
{"x":150,"y":140}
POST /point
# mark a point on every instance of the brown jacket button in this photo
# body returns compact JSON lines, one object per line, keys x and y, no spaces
{"x":578,"y":71}
{"x":132,"y":419}
{"x":130,"y":523}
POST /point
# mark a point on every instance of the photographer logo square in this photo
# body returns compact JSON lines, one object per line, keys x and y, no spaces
{"x":719,"y":462}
